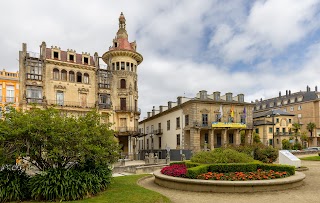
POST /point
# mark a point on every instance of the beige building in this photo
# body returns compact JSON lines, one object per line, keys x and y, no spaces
{"x":273,"y":126}
{"x":305,"y":105}
{"x":78,"y":82}
{"x":194,"y":124}
{"x":9,"y":91}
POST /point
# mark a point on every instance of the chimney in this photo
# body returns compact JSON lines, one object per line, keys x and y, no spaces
{"x":316,"y":89}
{"x":24,"y":47}
{"x":279,"y":93}
{"x":169,"y":104}
{"x":179,"y":100}
{"x":149,"y":114}
{"x":153,"y":111}
{"x":307,"y":88}
{"x":160,"y":108}
{"x":289,"y":92}
{"x":286,"y":92}
{"x":203,"y":94}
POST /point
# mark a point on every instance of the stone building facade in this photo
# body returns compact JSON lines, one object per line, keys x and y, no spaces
{"x":78,"y":82}
{"x":201,"y":123}
{"x":305,"y":105}
{"x":9,"y":91}
{"x":274,"y":126}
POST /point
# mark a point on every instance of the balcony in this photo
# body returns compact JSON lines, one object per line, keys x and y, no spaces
{"x":70,"y":104}
{"x":158,"y":132}
{"x":104,"y":86}
{"x":127,"y":109}
{"x":104,"y":106}
{"x":31,"y":76}
{"x":126,"y":129}
{"x":283,"y":134}
{"x":34,"y":100}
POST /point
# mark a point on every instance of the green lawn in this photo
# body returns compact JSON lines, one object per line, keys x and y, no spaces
{"x":311,"y":158}
{"x":125,"y":189}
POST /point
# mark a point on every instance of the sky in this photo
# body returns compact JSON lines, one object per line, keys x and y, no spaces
{"x":257,"y":48}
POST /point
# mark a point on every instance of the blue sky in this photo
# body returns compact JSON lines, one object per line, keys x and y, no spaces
{"x":253,"y":47}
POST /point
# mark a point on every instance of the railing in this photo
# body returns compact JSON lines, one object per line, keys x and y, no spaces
{"x":126,"y":129}
{"x":70,"y":104}
{"x":283,"y":133}
{"x":33,"y":55}
{"x":104,"y":106}
{"x":158,"y":132}
{"x":34,"y":100}
{"x":31,"y":76}
{"x":103,"y":66}
{"x":127,"y":109}
{"x":9,"y":99}
{"x":104,"y":86}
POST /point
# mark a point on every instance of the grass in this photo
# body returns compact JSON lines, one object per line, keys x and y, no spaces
{"x":311,"y":158}
{"x":125,"y":189}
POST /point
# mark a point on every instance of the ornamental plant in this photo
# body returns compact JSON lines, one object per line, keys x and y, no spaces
{"x":241,"y":176}
{"x":175,"y":170}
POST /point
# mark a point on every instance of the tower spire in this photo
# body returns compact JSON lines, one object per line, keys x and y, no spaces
{"x":122,"y":32}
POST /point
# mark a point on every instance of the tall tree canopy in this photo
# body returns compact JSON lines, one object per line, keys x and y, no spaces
{"x":310,"y":127}
{"x":51,"y":139}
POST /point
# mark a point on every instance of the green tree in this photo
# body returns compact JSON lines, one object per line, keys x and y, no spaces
{"x":311,"y":127}
{"x":256,"y":138}
{"x":296,"y":129}
{"x":286,"y":144}
{"x":51,"y":139}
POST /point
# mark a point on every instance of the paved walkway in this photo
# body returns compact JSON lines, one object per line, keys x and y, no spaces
{"x":308,"y":193}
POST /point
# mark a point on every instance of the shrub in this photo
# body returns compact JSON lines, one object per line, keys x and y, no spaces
{"x":286,"y":144}
{"x":297,"y":146}
{"x":13,"y":184}
{"x":175,"y":170}
{"x":221,"y":156}
{"x":276,"y":167}
{"x":266,"y":154}
{"x":195,"y":171}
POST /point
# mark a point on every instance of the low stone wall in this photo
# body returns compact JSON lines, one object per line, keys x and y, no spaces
{"x":138,"y":169}
{"x":228,"y":186}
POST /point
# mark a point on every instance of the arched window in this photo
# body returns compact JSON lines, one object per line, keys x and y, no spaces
{"x":86,"y":78}
{"x":79,"y":77}
{"x":56,"y":74}
{"x":122,"y":83}
{"x":71,"y":76}
{"x":64,"y":75}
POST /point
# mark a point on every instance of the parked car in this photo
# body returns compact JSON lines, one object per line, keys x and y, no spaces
{"x":313,"y":149}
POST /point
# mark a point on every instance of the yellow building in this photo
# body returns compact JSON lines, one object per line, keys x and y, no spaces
{"x":273,"y":126}
{"x":9,"y":90}
{"x":79,"y":82}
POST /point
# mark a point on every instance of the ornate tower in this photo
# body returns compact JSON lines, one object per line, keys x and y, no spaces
{"x":123,"y":60}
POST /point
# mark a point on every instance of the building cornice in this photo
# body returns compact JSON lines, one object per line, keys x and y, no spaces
{"x":71,"y":65}
{"x":113,"y":53}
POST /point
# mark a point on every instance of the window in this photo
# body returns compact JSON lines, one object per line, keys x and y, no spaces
{"x":243,"y":119}
{"x":113,"y":66}
{"x":178,"y":139}
{"x":168,"y":124}
{"x":123,"y":84}
{"x":218,"y":117}
{"x":104,"y":101}
{"x":118,"y":65}
{"x":186,"y":120}
{"x":56,"y":74}
{"x":206,"y":138}
{"x":291,"y":108}
{"x":230,"y":138}
{"x":71,"y":76}
{"x":104,"y":79}
{"x":270,"y":141}
{"x":123,"y":104}
{"x":56,"y":55}
{"x":86,"y":78}
{"x":277,"y":130}
{"x":64,"y":75}
{"x":159,"y":142}
{"x":10,"y":93}
{"x":34,"y":72}
{"x":277,"y":120}
{"x":299,"y":115}
{"x":290,"y":120}
{"x":283,"y":130}
{"x":131,"y":66}
{"x":128,"y":66}
{"x":71,"y":58}
{"x":277,"y":141}
{"x":79,"y":77}
{"x":60,"y":98}
{"x":299,"y":107}
{"x":147,"y":143}
{"x":122,"y":66}
{"x":257,"y":130}
{"x":85,"y":60}
{"x":159,"y":127}
{"x":204,"y":119}
{"x":178,"y":122}
{"x":34,"y":94}
{"x":270,"y":130}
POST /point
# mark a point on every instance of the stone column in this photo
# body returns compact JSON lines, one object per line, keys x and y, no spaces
{"x":211,"y":139}
{"x":238,"y":137}
{"x":224,"y":137}
{"x":195,"y":139}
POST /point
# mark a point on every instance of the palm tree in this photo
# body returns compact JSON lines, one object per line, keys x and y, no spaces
{"x":311,"y":127}
{"x":296,"y":128}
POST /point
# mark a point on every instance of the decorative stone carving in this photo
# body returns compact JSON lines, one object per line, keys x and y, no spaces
{"x":59,"y":87}
{"x":204,"y":110}
{"x":83,"y":90}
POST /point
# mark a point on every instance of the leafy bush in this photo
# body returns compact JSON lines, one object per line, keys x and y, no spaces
{"x":195,"y":171}
{"x":286,"y":144}
{"x":221,"y":156}
{"x":279,"y":168}
{"x":13,"y":184}
{"x":297,"y":146}
{"x":175,"y":170}
{"x":69,"y":184}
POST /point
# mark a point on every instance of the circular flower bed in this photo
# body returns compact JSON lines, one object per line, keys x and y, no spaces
{"x":175,"y":170}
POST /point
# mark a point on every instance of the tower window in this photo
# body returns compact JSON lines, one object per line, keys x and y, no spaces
{"x":122,"y":83}
{"x":116,"y":44}
{"x":71,"y":58}
{"x":122,"y":66}
{"x":56,"y":55}
{"x":79,"y":77}
{"x":85,"y":60}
